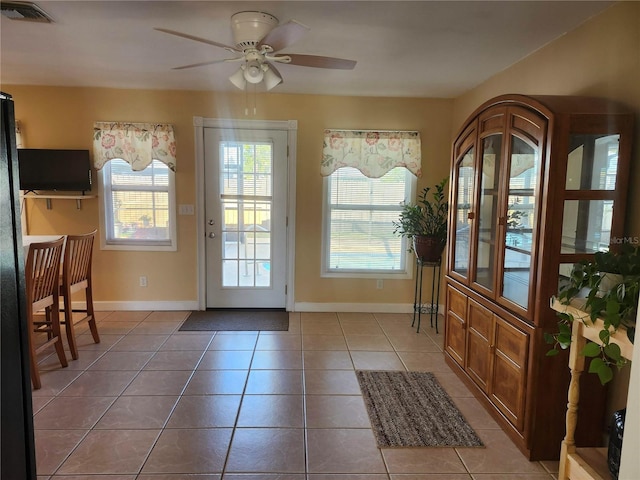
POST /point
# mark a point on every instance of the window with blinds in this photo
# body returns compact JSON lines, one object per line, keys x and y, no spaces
{"x":358,"y":223}
{"x":138,"y":206}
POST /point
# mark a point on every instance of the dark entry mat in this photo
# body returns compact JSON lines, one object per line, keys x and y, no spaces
{"x":236,"y":320}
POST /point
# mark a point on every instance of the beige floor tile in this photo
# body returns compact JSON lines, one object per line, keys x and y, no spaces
{"x":107,"y":341}
{"x":110,"y":451}
{"x":452,"y":384}
{"x":389,"y":318}
{"x":189,"y":451}
{"x":423,"y":460}
{"x":205,"y":411}
{"x":327,"y":325}
{"x":336,"y":411}
{"x":348,"y":476}
{"x":271,"y":411}
{"x":434,"y":476}
{"x":512,"y":476}
{"x":226,"y":360}
{"x":173,"y":476}
{"x":38,"y":403}
{"x":93,"y":477}
{"x":343,"y":451}
{"x":137,"y":413}
{"x":355,"y":316}
{"x":189,"y":341}
{"x":376,"y":361}
{"x":155,"y":327}
{"x":116,"y":328}
{"x":361,"y":327}
{"x":318,"y":317}
{"x":72,"y":413}
{"x":96,"y":383}
{"x":475,"y":414}
{"x":499,"y":456}
{"x":551,"y":466}
{"x":279,"y":341}
{"x":122,"y":361}
{"x":168,"y":316}
{"x":210,"y":382}
{"x":53,"y":446}
{"x":413,"y":343}
{"x":174,"y":360}
{"x":327,"y":360}
{"x":372,"y":343}
{"x":85,"y":359}
{"x":234,"y":341}
{"x":140,"y":343}
{"x":424,"y":361}
{"x":164,"y":382}
{"x":331,"y":382}
{"x":265,"y":450}
{"x":55,"y":381}
{"x":127,"y":316}
{"x":324,"y":342}
{"x":264,"y":476}
{"x":277,"y":360}
{"x":274,"y":382}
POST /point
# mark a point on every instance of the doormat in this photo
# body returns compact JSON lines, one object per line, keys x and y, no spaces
{"x":411,"y":409}
{"x":236,"y":320}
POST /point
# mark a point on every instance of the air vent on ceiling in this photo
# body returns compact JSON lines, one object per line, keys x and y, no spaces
{"x":25,"y":11}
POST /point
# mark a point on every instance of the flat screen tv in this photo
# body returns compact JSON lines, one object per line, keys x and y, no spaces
{"x":63,"y":170}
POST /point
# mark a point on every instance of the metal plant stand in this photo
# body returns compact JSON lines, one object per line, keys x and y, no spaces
{"x":417,"y":299}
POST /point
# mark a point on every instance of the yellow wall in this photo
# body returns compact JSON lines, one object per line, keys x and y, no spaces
{"x":55,"y":117}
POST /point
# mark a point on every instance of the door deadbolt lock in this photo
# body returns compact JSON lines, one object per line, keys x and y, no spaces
{"x":212,"y":222}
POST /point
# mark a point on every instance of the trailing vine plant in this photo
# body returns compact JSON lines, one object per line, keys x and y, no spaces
{"x":616,"y":307}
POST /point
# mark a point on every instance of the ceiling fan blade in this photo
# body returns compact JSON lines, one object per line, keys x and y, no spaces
{"x":202,"y":64}
{"x":198,"y":39}
{"x":284,"y":35}
{"x":320,"y":62}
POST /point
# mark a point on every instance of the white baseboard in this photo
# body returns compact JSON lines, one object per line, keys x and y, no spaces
{"x":357,"y":307}
{"x":106,"y":306}
{"x":152,"y":305}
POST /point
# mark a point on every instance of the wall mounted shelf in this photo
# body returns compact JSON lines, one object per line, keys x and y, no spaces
{"x":51,"y":196}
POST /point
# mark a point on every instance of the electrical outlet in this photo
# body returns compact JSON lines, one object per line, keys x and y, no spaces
{"x":379,"y":284}
{"x":143,"y":281}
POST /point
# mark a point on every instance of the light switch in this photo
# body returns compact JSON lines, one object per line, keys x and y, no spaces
{"x":185,"y":210}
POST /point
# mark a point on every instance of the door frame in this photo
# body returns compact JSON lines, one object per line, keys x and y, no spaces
{"x":291,"y":127}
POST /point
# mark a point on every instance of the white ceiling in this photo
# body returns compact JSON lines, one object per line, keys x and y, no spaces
{"x":403,"y":48}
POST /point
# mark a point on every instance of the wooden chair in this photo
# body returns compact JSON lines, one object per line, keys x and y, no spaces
{"x":76,"y":277}
{"x":42,"y":274}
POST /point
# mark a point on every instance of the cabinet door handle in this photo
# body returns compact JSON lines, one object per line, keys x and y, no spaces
{"x":471,"y":216}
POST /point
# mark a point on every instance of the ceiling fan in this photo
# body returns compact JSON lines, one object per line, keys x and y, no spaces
{"x":258,"y":40}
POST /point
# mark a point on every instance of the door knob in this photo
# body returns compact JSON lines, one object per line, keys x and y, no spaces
{"x":212,"y":235}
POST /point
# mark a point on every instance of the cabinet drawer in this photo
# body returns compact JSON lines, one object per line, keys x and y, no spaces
{"x":456,"y":302}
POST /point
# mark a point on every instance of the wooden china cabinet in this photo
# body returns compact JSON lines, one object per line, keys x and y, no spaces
{"x":537,"y":184}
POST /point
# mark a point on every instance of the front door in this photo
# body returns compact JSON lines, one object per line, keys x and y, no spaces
{"x":245,"y":215}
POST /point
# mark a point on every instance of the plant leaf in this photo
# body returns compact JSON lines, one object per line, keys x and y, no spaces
{"x":591,"y":350}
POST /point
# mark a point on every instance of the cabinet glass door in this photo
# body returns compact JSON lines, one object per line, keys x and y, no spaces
{"x":592,"y":166}
{"x":464,"y":199}
{"x":487,"y":212}
{"x":520,"y":222}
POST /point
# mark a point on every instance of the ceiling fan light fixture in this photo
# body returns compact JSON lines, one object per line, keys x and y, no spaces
{"x":253,"y":72}
{"x":238,"y":79}
{"x":271,"y":79}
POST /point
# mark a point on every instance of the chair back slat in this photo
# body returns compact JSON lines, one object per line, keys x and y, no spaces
{"x":43,"y":269}
{"x":77,"y":258}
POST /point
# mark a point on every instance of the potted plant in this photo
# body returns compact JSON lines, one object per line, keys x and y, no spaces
{"x":616,"y":304}
{"x":425,"y":223}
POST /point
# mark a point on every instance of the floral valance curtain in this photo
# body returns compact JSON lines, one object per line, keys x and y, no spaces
{"x":136,"y":143}
{"x":373,"y":153}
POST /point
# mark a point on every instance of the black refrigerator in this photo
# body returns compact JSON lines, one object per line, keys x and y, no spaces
{"x":17,"y":448}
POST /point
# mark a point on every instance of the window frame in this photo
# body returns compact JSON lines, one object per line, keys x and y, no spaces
{"x":326,"y":272}
{"x":106,"y":215}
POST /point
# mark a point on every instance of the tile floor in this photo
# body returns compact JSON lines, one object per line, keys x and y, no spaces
{"x":152,"y":403}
